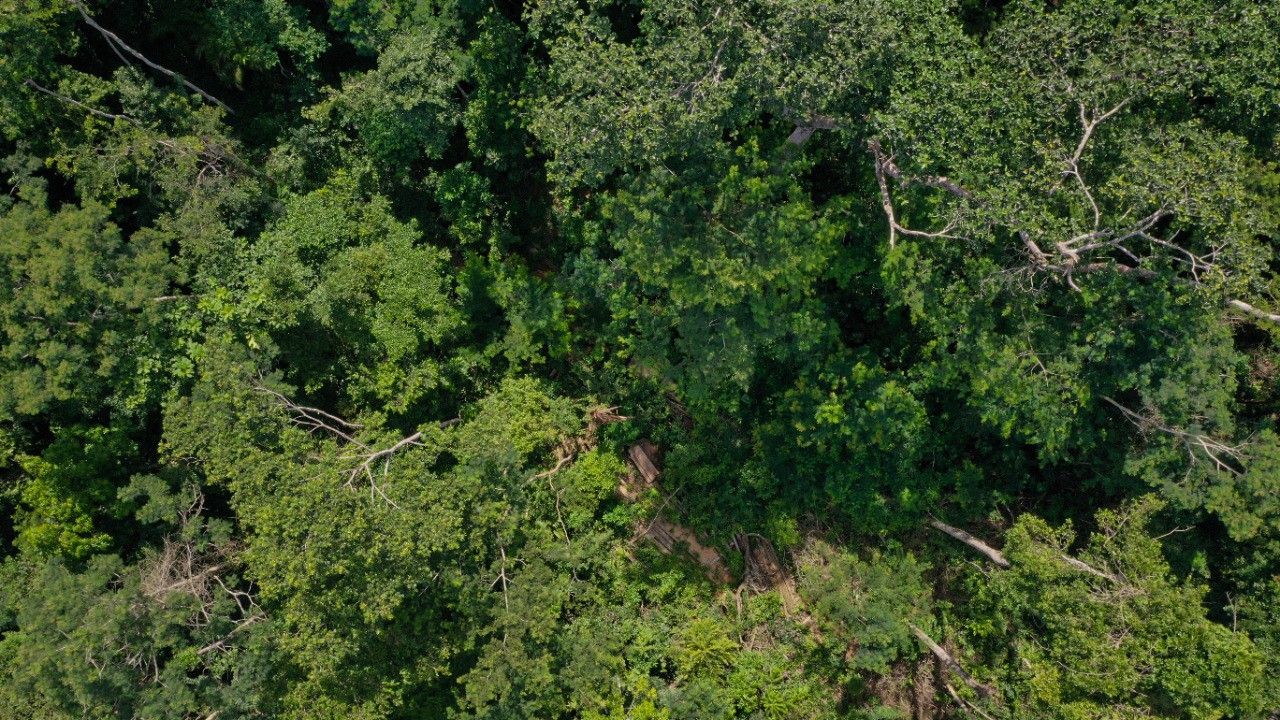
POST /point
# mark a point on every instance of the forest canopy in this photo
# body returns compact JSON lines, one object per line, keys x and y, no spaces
{"x":639,"y":359}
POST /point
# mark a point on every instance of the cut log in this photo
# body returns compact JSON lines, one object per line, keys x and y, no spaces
{"x":950,"y":662}
{"x":644,"y":456}
{"x":659,"y":533}
{"x":766,"y":560}
{"x":995,"y":555}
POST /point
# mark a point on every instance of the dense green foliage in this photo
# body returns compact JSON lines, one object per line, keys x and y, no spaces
{"x":325,"y":329}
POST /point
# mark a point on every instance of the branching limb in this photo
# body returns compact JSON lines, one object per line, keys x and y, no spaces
{"x":884,"y":165}
{"x":1223,"y":457}
{"x":315,"y":419}
{"x":935,"y":181}
{"x":1091,"y":125}
{"x":1037,"y":255}
{"x":369,"y":459}
{"x":182,"y":568}
{"x":211,"y":155}
{"x":502,"y":577}
{"x":885,"y":201}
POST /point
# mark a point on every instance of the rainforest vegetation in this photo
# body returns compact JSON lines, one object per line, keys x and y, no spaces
{"x":639,"y":359}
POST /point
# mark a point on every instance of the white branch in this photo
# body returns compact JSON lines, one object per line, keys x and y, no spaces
{"x":1246,"y":308}
{"x":995,"y":555}
{"x":950,"y":662}
{"x":115,"y":41}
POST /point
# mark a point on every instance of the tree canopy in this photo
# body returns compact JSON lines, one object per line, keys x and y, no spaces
{"x":624,"y":359}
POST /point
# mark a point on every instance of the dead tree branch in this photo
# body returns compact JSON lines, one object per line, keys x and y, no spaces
{"x":367,"y":461}
{"x":315,"y":419}
{"x":1223,"y":457}
{"x":994,"y":555}
{"x":1248,"y":309}
{"x":115,"y":42}
{"x":1091,"y":125}
{"x":180,"y":568}
{"x":76,"y":103}
{"x":1069,"y":256}
{"x":1072,"y":254}
{"x":998,"y":557}
{"x":934,"y":181}
{"x":884,"y":166}
{"x":950,"y":662}
{"x":965,"y":704}
{"x":221,"y":644}
{"x":806,"y":128}
{"x":563,"y":461}
{"x":1086,"y":567}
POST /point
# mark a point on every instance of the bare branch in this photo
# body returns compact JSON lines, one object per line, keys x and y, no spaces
{"x":563,"y":461}
{"x":1223,"y":457}
{"x":72,"y":101}
{"x":883,"y":165}
{"x":885,"y":200}
{"x":935,"y":181}
{"x":1038,"y":255}
{"x":181,"y":568}
{"x":221,"y":645}
{"x":1086,"y":567}
{"x":998,"y":557}
{"x":806,"y":128}
{"x":1248,"y":309}
{"x":994,"y":555}
{"x":314,"y":418}
{"x":115,"y":41}
{"x":365,"y":467}
{"x":950,"y":662}
{"x":965,"y":704}
{"x":1091,"y":125}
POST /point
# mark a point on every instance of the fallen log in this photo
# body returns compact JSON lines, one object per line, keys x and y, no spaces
{"x":764,"y":568}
